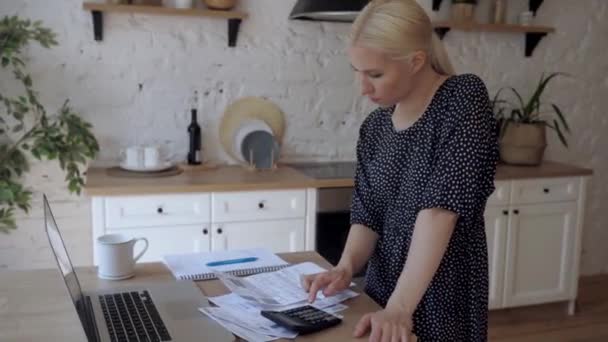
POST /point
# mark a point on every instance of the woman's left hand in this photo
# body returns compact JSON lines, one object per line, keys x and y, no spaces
{"x":386,"y":325}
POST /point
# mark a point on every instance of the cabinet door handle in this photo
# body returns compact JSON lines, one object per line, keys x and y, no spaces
{"x":261,"y":205}
{"x":505,"y":212}
{"x":546,"y":190}
{"x":515,"y":211}
{"x":205,"y":231}
{"x":159,"y":210}
{"x":219,"y":230}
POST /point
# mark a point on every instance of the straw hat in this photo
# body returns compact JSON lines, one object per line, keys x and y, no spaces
{"x":248,"y":113}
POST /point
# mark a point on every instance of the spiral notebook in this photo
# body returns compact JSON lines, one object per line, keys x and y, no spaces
{"x":193,"y":266}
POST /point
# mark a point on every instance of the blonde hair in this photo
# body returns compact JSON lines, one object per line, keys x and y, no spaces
{"x":400,"y":27}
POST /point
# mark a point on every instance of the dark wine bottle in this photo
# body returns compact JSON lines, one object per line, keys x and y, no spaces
{"x":194,"y":136}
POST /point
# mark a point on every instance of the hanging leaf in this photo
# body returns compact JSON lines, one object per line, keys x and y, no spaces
{"x":27,"y":81}
{"x":18,"y":128}
{"x":560,"y":115}
{"x":561,"y":136}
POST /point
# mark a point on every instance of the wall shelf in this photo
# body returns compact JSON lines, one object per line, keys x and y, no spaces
{"x":533,"y":33}
{"x":97,"y":9}
{"x":533,"y":5}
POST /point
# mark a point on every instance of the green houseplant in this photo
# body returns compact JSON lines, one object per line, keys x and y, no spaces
{"x":27,"y":130}
{"x":523,"y":124}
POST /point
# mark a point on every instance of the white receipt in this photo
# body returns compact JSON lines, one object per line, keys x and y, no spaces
{"x":228,"y":324}
{"x":251,"y":321}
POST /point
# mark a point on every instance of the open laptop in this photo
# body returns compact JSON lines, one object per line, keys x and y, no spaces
{"x":156,"y":312}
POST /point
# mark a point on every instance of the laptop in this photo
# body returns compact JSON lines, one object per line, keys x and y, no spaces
{"x":155,"y":312}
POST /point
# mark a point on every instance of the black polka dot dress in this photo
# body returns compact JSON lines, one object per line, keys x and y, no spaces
{"x":446,"y":159}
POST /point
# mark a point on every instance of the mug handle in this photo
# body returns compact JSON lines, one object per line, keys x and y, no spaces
{"x":143,"y":251}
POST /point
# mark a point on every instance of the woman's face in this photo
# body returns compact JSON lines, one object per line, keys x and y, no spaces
{"x":384,"y":80}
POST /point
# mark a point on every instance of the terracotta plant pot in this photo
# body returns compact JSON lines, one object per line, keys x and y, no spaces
{"x":523,"y":144}
{"x":463,"y":12}
{"x":220,"y":4}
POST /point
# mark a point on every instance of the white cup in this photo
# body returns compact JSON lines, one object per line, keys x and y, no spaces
{"x":151,"y":156}
{"x":183,"y":3}
{"x":134,"y":157}
{"x":115,"y":255}
{"x":525,"y":18}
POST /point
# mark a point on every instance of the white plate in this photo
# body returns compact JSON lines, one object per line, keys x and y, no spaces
{"x":103,"y":276}
{"x":160,"y":167}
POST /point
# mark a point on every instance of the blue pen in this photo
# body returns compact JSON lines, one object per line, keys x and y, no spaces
{"x":231,"y":261}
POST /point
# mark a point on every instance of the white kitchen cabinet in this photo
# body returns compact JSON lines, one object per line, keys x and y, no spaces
{"x":534,"y":241}
{"x":258,"y":205}
{"x":280,"y":220}
{"x":496,"y":233}
{"x":156,"y":210}
{"x":540,"y":250}
{"x":166,"y":240}
{"x":278,"y":235}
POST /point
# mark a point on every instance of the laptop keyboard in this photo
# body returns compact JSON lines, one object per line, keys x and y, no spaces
{"x":132,"y":316}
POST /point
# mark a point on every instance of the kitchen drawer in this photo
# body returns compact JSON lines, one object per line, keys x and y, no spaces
{"x":545,"y":190}
{"x":501,"y":193}
{"x":258,"y":205}
{"x":156,"y":210}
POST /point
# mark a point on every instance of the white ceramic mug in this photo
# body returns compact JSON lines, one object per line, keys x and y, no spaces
{"x":115,"y":252}
{"x":134,"y":157}
{"x":151,"y":156}
{"x":525,"y":18}
{"x":184,"y":3}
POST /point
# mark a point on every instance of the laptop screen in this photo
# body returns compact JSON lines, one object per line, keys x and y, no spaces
{"x":64,"y":263}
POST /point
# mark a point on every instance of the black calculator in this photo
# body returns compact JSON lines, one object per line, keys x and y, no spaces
{"x":303,"y":320}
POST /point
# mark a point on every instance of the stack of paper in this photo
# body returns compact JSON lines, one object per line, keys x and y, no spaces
{"x":239,"y":311}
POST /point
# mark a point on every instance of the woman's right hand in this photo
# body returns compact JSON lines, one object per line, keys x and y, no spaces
{"x":331,"y":282}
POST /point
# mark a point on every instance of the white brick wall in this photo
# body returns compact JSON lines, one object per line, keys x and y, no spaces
{"x":299,"y":65}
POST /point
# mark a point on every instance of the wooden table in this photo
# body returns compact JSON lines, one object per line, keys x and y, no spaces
{"x":35,"y":305}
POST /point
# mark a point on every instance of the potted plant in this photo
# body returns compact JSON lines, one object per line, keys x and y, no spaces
{"x":463,"y":10}
{"x":523,"y":125}
{"x":27,"y":130}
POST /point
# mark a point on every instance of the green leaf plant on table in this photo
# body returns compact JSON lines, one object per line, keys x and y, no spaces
{"x":523,"y":124}
{"x":26,"y":128}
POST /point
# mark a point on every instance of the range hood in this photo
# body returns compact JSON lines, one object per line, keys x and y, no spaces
{"x":327,"y":10}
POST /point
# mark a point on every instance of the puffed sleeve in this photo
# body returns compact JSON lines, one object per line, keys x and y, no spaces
{"x":363,"y":209}
{"x":466,"y":157}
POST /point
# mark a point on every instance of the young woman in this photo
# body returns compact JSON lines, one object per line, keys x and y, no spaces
{"x":426,"y":160}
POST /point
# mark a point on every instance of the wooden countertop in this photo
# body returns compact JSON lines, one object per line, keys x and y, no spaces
{"x":222,"y":178}
{"x":547,"y":169}
{"x":236,"y":178}
{"x":35,"y":306}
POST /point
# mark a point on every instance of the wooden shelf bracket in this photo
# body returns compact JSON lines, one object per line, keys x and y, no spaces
{"x":436,"y":5}
{"x":441,"y":31}
{"x":532,"y":40}
{"x":533,"y":5}
{"x":97,"y":25}
{"x":233,"y":31}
